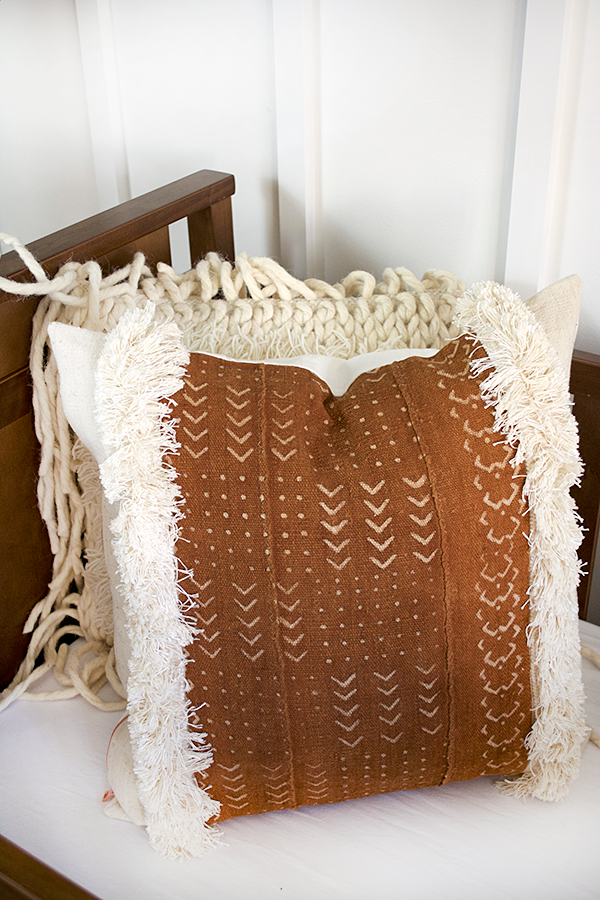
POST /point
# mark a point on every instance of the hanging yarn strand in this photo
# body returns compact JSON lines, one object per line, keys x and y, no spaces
{"x":253,"y":310}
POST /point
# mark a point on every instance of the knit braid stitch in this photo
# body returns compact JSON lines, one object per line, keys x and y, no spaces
{"x":253,"y":310}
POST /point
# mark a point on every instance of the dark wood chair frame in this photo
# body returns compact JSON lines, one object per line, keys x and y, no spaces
{"x":111,"y":237}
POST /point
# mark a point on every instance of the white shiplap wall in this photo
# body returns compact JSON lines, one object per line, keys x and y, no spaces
{"x":46,"y":160}
{"x":419,"y":108}
{"x":362,"y":133}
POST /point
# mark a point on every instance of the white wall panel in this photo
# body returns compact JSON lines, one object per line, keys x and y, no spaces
{"x":103,"y":95}
{"x":580,"y":216}
{"x":419,"y":107}
{"x":197,"y":92}
{"x":462,"y":135}
{"x":580,"y":250}
{"x":550,"y":82}
{"x":296,"y":50}
{"x":46,"y":166}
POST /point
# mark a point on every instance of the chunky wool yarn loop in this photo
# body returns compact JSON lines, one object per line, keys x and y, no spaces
{"x":251,"y":310}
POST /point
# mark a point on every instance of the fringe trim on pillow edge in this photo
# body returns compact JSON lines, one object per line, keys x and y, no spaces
{"x":140,"y":368}
{"x":529,"y":392}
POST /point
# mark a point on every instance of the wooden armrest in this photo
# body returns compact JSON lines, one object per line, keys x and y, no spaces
{"x":129,"y":223}
{"x":22,"y":877}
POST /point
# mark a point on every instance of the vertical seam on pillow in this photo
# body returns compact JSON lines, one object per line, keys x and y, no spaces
{"x":413,"y":413}
{"x":272,"y":576}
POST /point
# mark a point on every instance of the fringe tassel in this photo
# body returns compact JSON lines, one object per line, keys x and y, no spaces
{"x":529,"y":391}
{"x":140,"y":368}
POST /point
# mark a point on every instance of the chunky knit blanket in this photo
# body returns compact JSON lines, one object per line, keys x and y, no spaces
{"x":253,"y":310}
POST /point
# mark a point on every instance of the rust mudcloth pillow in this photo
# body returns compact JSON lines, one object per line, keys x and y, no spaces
{"x":361,"y":569}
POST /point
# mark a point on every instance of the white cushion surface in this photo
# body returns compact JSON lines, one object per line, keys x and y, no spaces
{"x":463,"y":841}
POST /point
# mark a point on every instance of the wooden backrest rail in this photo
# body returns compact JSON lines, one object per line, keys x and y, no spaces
{"x":111,"y":237}
{"x":113,"y":229}
{"x":23,"y":876}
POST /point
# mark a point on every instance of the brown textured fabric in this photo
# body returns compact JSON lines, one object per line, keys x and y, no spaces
{"x":361,"y":567}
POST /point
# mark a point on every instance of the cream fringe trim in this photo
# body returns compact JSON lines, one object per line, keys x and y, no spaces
{"x":140,"y":367}
{"x":529,"y":392}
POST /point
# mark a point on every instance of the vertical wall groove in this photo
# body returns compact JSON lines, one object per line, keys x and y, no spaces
{"x":548,"y":100}
{"x":315,"y":263}
{"x":296,"y":48}
{"x":101,"y":77}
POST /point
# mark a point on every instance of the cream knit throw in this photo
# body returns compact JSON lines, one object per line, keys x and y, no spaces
{"x":253,"y":310}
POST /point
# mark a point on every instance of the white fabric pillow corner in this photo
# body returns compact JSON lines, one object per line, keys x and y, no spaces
{"x":556,"y":308}
{"x":77,"y":352}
